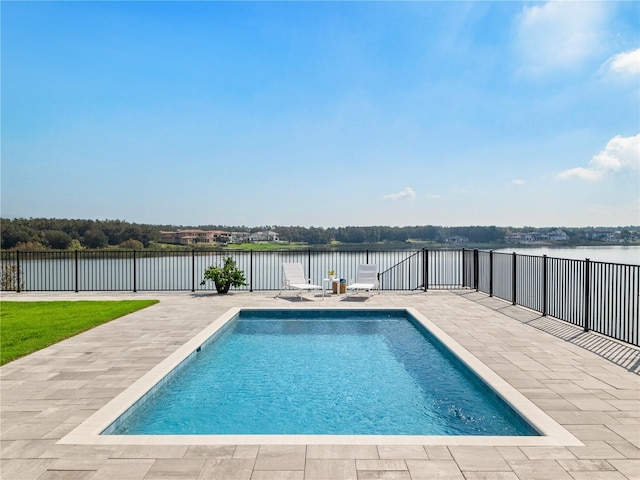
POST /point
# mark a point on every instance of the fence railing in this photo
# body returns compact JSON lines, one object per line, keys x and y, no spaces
{"x":598,"y":296}
{"x":121,"y":270}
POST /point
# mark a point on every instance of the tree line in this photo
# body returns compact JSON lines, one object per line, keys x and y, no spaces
{"x":62,"y":234}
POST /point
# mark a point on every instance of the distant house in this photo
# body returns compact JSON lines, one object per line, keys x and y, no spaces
{"x":557,"y":236}
{"x":238,"y":237}
{"x":192,"y":236}
{"x":529,"y":237}
{"x":265,"y":236}
{"x":456,"y":239}
{"x":534,"y":237}
{"x":605,"y":236}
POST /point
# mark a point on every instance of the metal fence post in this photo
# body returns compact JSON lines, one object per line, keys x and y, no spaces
{"x":193,"y":270}
{"x":76,"y":269}
{"x":545,"y":286}
{"x":513,"y":278}
{"x":491,"y":273}
{"x":464,"y":268}
{"x":18,"y":279}
{"x":134,"y":271}
{"x":425,"y":269}
{"x":476,"y":273}
{"x":251,"y":270}
{"x":587,"y":287}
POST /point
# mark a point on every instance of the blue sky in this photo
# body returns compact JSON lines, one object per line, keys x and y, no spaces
{"x":322,"y":113}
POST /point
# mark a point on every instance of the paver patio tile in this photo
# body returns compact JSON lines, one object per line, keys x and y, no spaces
{"x":383,"y":475}
{"x":389,"y":464}
{"x":24,"y":469}
{"x":539,"y":470}
{"x":629,"y":468}
{"x":627,"y":416}
{"x":588,"y":465}
{"x":61,"y":430}
{"x":28,"y":431}
{"x":554,"y":404}
{"x":511,"y":453}
{"x":400,"y":451}
{"x":150,"y":451}
{"x":246,"y":451}
{"x":479,"y":458}
{"x":630,"y":433}
{"x":609,"y":475}
{"x":78,"y":463}
{"x":175,"y":469}
{"x":210,"y":451}
{"x":539,"y":393}
{"x":490,"y":476}
{"x":434,"y":470}
{"x":625,"y":448}
{"x":280,"y":457}
{"x":277,"y":475}
{"x":595,"y":449}
{"x":593,"y":432}
{"x":547,"y":453}
{"x":66,"y":475}
{"x":438,"y":452}
{"x":568,"y":417}
{"x":226,"y":469}
{"x":335,"y":469}
{"x":342,"y":451}
{"x":592,"y":404}
{"x":124,"y":469}
{"x":25,"y":448}
{"x":94,"y":451}
{"x":625,"y":394}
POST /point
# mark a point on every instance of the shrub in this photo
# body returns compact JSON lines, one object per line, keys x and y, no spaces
{"x":9,"y":278}
{"x":132,"y":244}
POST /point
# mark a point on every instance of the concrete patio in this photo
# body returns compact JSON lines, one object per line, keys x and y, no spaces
{"x":587,"y":383}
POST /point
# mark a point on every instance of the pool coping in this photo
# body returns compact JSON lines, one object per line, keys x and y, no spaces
{"x":89,"y":432}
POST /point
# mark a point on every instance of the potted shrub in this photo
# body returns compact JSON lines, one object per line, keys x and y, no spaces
{"x":226,"y":276}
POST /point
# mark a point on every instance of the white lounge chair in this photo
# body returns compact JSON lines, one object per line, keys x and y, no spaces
{"x":294,"y":278}
{"x":366,"y":279}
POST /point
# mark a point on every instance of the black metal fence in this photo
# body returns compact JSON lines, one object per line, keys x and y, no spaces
{"x":146,"y":270}
{"x":598,"y":296}
{"x":603,"y":297}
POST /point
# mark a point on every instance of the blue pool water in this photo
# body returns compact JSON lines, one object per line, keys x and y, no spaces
{"x":331,"y":372}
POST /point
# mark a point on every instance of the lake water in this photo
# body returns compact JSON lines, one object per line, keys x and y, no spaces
{"x":613,"y":254}
{"x":400,"y":270}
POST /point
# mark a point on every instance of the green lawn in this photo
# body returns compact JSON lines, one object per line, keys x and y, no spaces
{"x":26,"y":327}
{"x":265,"y":246}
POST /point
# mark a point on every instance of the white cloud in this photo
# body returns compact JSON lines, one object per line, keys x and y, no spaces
{"x":559,"y":35}
{"x":580,"y":172}
{"x":622,"y":154}
{"x":626,"y":63}
{"x":517,"y":182}
{"x":406,"y":193}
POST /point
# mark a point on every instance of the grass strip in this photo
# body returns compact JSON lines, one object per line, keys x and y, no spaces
{"x":26,"y":327}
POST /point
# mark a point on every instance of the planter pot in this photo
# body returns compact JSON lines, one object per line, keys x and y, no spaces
{"x":223,"y":288}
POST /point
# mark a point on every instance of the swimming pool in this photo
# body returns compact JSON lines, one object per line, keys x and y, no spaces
{"x":273,"y":384}
{"x":336,"y":372}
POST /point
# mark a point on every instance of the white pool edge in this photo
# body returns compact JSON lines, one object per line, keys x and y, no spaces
{"x":89,"y":431}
